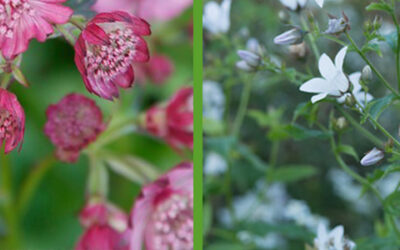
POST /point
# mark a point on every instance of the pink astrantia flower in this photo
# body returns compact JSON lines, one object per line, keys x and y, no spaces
{"x":158,"y":70}
{"x":12,"y":121}
{"x":106,"y":227}
{"x":106,"y":50}
{"x":162,"y":10}
{"x":174,"y":121}
{"x":22,"y":20}
{"x":72,"y":124}
{"x":162,"y":217}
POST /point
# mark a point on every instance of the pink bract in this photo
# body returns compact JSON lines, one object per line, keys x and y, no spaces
{"x":162,"y":217}
{"x":158,"y":70}
{"x":106,"y":227}
{"x":106,"y":50}
{"x":162,"y":10}
{"x":22,"y":20}
{"x":173,"y":122}
{"x":12,"y":121}
{"x":72,"y":124}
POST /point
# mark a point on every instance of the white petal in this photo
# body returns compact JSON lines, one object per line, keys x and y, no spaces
{"x":291,"y":4}
{"x":318,"y":97}
{"x":355,"y":80}
{"x":318,"y":85}
{"x":337,"y":232}
{"x":225,"y":15}
{"x":320,"y":3}
{"x":326,"y":67}
{"x":339,"y":59}
{"x":302,"y":3}
{"x":340,"y":81}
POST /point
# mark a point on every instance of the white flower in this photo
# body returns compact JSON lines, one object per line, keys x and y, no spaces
{"x":297,"y":4}
{"x":294,"y":4}
{"x":372,"y":157}
{"x":213,"y":101}
{"x":216,"y":17}
{"x":299,"y":212}
{"x":214,"y":164}
{"x":333,"y":240}
{"x":361,"y":96}
{"x":333,"y":82}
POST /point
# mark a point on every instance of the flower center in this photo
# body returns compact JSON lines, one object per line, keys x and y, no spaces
{"x":107,"y":61}
{"x":11,"y":12}
{"x":173,"y":223}
{"x":8,"y":125}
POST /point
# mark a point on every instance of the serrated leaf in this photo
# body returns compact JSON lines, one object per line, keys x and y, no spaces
{"x":292,"y":173}
{"x":349,"y":150}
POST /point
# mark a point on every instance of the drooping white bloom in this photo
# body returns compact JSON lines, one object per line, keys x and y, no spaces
{"x":372,"y":157}
{"x":332,"y":240}
{"x":213,"y":101}
{"x":214,"y":164}
{"x":358,"y":93}
{"x":333,"y":82}
{"x":294,"y":4}
{"x":216,"y":17}
{"x":297,"y":4}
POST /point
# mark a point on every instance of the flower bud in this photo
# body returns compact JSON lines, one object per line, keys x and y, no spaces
{"x":249,"y":57}
{"x":341,"y":123}
{"x":293,"y":36}
{"x":337,"y":25}
{"x":372,"y":157}
{"x":366,"y":74}
{"x":242,"y":65}
{"x":299,"y":51}
{"x":254,"y":46}
{"x":377,"y":23}
{"x":349,"y":100}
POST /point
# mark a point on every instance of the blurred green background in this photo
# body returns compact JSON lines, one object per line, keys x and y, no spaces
{"x":50,"y":221}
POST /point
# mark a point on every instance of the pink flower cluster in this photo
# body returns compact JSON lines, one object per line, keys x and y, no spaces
{"x":22,"y":20}
{"x":72,"y":124}
{"x":173,"y":121}
{"x":161,"y":219}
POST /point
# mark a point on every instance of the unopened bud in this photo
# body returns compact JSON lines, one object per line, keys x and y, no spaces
{"x":293,"y":36}
{"x":341,"y":123}
{"x":252,"y":59}
{"x":254,"y":46}
{"x":372,"y":157}
{"x":366,"y":74}
{"x":349,"y":101}
{"x":242,"y":65}
{"x":298,"y":50}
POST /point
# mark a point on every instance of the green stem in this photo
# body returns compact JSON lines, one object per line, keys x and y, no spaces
{"x":32,"y":181}
{"x":311,"y":38}
{"x":362,"y":181}
{"x":67,"y":35}
{"x":378,"y":74}
{"x":274,"y":154}
{"x":10,"y":213}
{"x":360,"y":128}
{"x":244,"y":101}
{"x":396,"y":23}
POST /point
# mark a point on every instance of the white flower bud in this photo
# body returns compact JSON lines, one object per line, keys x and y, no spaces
{"x":293,"y":36}
{"x":366,"y":74}
{"x":250,"y":58}
{"x":372,"y":157}
{"x":337,"y":26}
{"x":244,"y":66}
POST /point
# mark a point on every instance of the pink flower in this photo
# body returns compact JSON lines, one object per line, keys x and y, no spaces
{"x":174,"y":121}
{"x":162,"y":217}
{"x":106,"y":49}
{"x":106,"y":227}
{"x":12,"y":121}
{"x":72,"y":124}
{"x":158,"y":70}
{"x":22,"y":20}
{"x":162,"y":10}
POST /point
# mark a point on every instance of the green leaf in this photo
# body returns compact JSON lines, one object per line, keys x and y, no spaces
{"x":252,"y":158}
{"x":298,"y":132}
{"x":377,"y":106}
{"x":292,"y":173}
{"x":379,"y":6}
{"x":224,"y":246}
{"x":306,"y":110}
{"x":349,"y":150}
{"x":391,"y":39}
{"x":392,"y":203}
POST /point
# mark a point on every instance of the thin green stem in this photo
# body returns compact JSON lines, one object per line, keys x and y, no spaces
{"x":378,"y":74}
{"x":10,"y":213}
{"x":32,"y":181}
{"x":311,"y":38}
{"x":67,"y":35}
{"x":274,"y":154}
{"x":244,"y":101}
{"x":360,"y":128}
